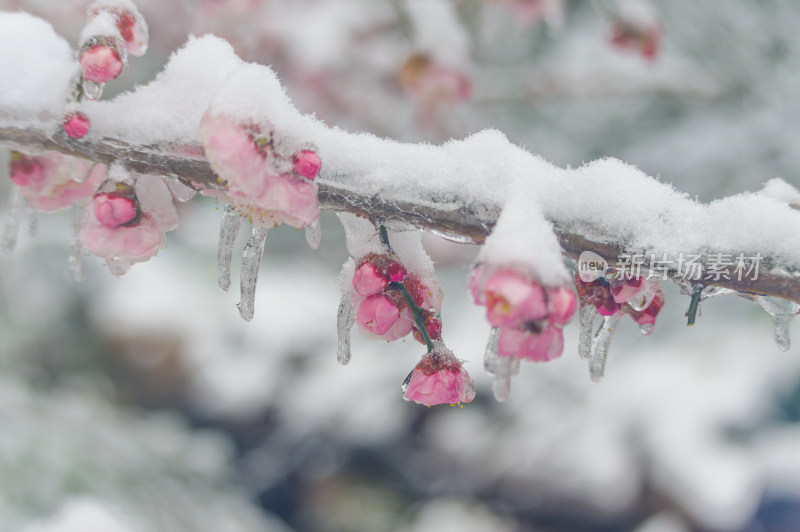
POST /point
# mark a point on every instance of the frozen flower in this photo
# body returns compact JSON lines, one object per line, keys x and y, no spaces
{"x":102,"y":60}
{"x":53,"y":181}
{"x":76,"y":124}
{"x":529,"y":316}
{"x":368,"y":280}
{"x":439,"y":378}
{"x":129,"y":22}
{"x":141,"y":236}
{"x":265,"y":180}
{"x":631,"y":294}
{"x":386,"y":316}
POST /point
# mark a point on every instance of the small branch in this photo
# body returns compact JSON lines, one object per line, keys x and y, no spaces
{"x":464,"y":223}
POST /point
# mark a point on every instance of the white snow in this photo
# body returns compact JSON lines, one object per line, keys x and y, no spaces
{"x":37,"y":66}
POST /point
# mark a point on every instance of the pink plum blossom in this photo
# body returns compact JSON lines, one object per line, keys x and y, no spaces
{"x":113,"y":209}
{"x":48,"y":181}
{"x":124,"y":245}
{"x":130,"y":24}
{"x":528,"y":315}
{"x":102,"y":62}
{"x":386,"y":317}
{"x":307,"y":164}
{"x":439,"y":378}
{"x":77,"y":124}
{"x":368,"y":280}
{"x":262,"y":182}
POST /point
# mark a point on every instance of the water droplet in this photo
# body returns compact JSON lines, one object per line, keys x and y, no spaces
{"x":646,"y":328}
{"x":16,"y":206}
{"x":345,"y":319}
{"x":228,"y":231}
{"x":588,"y":312}
{"x":251,"y":260}
{"x":93,"y":90}
{"x":76,"y":257}
{"x":602,"y":339}
{"x":179,"y":190}
{"x":314,"y":234}
{"x":641,"y":301}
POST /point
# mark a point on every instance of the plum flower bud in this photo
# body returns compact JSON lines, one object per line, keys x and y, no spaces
{"x":433,"y":326}
{"x":76,"y":124}
{"x":307,"y":164}
{"x":102,"y":60}
{"x":368,"y":280}
{"x":113,"y":209}
{"x":26,"y":171}
{"x":512,"y":300}
{"x":128,"y":21}
{"x":439,"y":378}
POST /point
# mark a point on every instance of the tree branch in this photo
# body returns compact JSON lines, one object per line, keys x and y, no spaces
{"x":462,"y":223}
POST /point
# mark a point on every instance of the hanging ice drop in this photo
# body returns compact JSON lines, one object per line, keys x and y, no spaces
{"x":782,"y":311}
{"x":229,"y":229}
{"x":314,"y":233}
{"x":16,"y":207}
{"x":345,"y":319}
{"x":406,"y":383}
{"x":490,"y":356}
{"x":76,"y":257}
{"x":92,"y":89}
{"x":504,"y":369}
{"x":588,"y":312}
{"x":602,"y":339}
{"x":179,"y":190}
{"x":251,"y":260}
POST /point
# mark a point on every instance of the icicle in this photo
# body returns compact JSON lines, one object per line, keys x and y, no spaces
{"x":33,"y":220}
{"x":229,"y":229}
{"x":93,"y":90}
{"x":314,"y":234}
{"x":646,"y":328}
{"x":16,"y":206}
{"x":490,"y":356}
{"x":588,"y":312}
{"x":180,"y":192}
{"x":345,"y":319}
{"x":782,"y":311}
{"x":76,"y":257}
{"x":251,"y":260}
{"x":503,"y":368}
{"x":405,"y":384}
{"x":602,"y":339}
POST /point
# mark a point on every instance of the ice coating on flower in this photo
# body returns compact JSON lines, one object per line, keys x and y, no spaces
{"x":112,"y":209}
{"x":101,"y":62}
{"x":368,"y":280}
{"x":48,"y":181}
{"x":648,"y":315}
{"x":307,"y":164}
{"x":439,"y":378}
{"x":124,"y":245}
{"x":77,"y":124}
{"x":527,"y":315}
{"x":128,"y":21}
{"x":634,"y":295}
{"x":511,"y":299}
{"x":260,"y":171}
{"x":530,"y":345}
{"x":384,"y":316}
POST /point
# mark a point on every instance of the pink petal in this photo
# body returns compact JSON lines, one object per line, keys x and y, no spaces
{"x":367,"y":280}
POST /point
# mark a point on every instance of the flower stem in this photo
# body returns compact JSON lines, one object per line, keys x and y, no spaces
{"x":384,"y":236}
{"x":416,"y":311}
{"x":697,"y":290}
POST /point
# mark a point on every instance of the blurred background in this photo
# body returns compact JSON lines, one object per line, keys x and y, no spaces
{"x":145,"y":403}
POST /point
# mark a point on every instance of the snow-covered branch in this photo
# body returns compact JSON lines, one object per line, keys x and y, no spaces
{"x":468,"y":223}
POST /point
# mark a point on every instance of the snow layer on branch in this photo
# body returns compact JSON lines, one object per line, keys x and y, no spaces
{"x":780,"y":190}
{"x":605,"y":200}
{"x":169,"y":108}
{"x":37,"y":67}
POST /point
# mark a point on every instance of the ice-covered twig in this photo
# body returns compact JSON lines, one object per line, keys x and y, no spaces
{"x":464,"y":222}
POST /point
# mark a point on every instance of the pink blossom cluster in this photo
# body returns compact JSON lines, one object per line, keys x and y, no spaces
{"x":267,"y":178}
{"x":127,"y":220}
{"x":529,"y":316}
{"x":439,"y":378}
{"x":52,"y":181}
{"x":382,"y":310}
{"x":623,"y":293}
